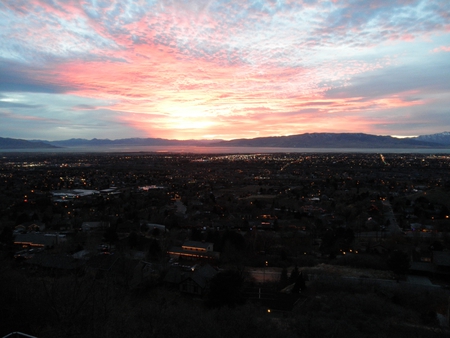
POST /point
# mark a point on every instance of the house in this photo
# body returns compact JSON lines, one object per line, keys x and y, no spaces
{"x":100,"y":265}
{"x":377,"y":248}
{"x":197,"y":282}
{"x":439,"y":264}
{"x":56,"y":263}
{"x":20,"y":229}
{"x":193,"y":280}
{"x":152,"y":226}
{"x":174,"y":276}
{"x":193,"y":250}
{"x":145,"y":273}
{"x":416,"y":226}
{"x":197,"y":246}
{"x":441,"y":261}
{"x":89,"y":226}
{"x":32,"y":226}
{"x":33,"y":239}
{"x":273,"y":301}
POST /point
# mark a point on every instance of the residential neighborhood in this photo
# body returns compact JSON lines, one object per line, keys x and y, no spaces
{"x":286,"y":238}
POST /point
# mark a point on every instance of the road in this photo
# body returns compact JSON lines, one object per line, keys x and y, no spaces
{"x":393,"y":227}
{"x":261,"y":275}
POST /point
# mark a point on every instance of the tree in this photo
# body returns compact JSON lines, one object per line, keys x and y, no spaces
{"x":226,"y":289}
{"x":133,"y":239}
{"x":110,"y":235}
{"x":276,"y":226}
{"x":154,"y":249}
{"x":299,"y":284}
{"x":7,"y":236}
{"x":284,"y":280}
{"x":398,"y":262}
{"x":283,"y":255}
{"x":236,"y":240}
{"x":156,"y":232}
{"x":294,"y":275}
{"x":437,"y":246}
{"x":22,"y":218}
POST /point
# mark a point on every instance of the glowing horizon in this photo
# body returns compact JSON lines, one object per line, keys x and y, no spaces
{"x":221,"y":69}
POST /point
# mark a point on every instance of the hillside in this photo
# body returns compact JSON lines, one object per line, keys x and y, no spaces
{"x":330,"y":140}
{"x":10,"y":143}
{"x":307,"y":140}
{"x":442,"y":138}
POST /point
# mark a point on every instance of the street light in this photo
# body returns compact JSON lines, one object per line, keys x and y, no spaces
{"x":266,"y":264}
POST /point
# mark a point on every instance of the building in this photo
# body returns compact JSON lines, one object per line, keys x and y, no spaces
{"x":152,"y":226}
{"x":90,"y":226}
{"x":193,"y":250}
{"x":197,"y":282}
{"x":194,"y":281}
{"x":39,"y":240}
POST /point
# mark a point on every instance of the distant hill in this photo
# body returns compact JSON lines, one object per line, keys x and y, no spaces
{"x":441,"y":138}
{"x":11,"y":143}
{"x":308,"y":140}
{"x":331,"y":140}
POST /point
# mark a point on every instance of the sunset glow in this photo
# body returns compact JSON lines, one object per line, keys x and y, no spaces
{"x":223,"y":69}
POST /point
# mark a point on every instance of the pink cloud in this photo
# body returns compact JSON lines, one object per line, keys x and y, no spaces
{"x":441,"y":49}
{"x":165,"y":94}
{"x":198,"y":68}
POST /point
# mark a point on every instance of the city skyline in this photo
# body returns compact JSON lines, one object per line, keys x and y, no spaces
{"x":223,"y":69}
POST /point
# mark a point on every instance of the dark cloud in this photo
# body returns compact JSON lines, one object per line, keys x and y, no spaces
{"x":19,"y":77}
{"x":84,"y":107}
{"x":430,"y":77}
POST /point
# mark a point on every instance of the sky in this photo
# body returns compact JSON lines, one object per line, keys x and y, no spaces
{"x":223,"y":69}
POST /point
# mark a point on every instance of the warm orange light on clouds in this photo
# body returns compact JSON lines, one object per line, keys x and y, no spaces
{"x":202,"y":69}
{"x":183,"y":99}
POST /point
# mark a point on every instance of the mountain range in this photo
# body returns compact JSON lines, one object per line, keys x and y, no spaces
{"x":307,"y":140}
{"x":336,"y":140}
{"x":12,"y":143}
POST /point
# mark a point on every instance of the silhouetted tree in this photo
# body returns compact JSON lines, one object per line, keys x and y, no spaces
{"x":283,"y":255}
{"x":22,"y":218}
{"x":133,"y":240}
{"x":284,"y":280}
{"x":110,"y":235}
{"x":196,"y":235}
{"x":299,"y":284}
{"x":340,"y":238}
{"x":156,"y":232}
{"x":154,"y":249}
{"x":294,"y":275}
{"x":236,"y":240}
{"x":7,"y":236}
{"x":437,"y":246}
{"x":398,"y":262}
{"x":226,"y":289}
{"x":276,"y":226}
